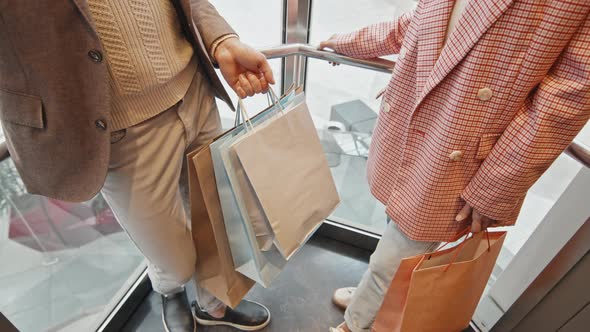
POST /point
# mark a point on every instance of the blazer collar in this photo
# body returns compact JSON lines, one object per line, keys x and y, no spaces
{"x":477,"y":18}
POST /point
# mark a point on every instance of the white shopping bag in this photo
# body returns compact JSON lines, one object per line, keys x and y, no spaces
{"x":249,"y":258}
{"x":289,"y":176}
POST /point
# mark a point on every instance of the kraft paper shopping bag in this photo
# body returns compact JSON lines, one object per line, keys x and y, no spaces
{"x":439,"y":292}
{"x":214,"y":267}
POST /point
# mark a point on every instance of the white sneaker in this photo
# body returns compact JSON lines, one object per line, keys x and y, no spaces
{"x":338,"y":329}
{"x":343,"y":296}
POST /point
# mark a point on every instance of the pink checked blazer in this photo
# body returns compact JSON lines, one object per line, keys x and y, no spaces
{"x":480,"y":119}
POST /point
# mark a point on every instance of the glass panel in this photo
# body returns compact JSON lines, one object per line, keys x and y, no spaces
{"x":259,"y":24}
{"x":61,"y":264}
{"x":345,"y":113}
{"x":344,"y":106}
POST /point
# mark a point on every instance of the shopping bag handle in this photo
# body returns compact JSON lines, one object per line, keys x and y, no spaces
{"x":465,"y":233}
{"x":242,"y":110}
{"x":273,"y":100}
{"x":238,"y":119}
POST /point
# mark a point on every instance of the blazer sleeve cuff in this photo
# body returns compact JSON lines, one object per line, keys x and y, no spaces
{"x":503,"y":211}
{"x":344,"y":43}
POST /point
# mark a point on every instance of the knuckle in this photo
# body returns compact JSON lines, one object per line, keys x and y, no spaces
{"x":260,"y":58}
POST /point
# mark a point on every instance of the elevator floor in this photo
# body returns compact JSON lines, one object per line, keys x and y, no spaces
{"x":299,"y":300}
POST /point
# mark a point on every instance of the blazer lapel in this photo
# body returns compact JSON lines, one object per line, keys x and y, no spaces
{"x":83,"y":8}
{"x":203,"y":54}
{"x":477,"y":18}
{"x":434,"y":18}
{"x":186,"y":7}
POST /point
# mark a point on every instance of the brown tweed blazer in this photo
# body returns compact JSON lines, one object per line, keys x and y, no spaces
{"x":54,"y":93}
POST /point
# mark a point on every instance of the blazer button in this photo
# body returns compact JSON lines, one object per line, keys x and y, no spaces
{"x":100,"y":124}
{"x":456,"y":155}
{"x":484,"y":94}
{"x":95,"y":56}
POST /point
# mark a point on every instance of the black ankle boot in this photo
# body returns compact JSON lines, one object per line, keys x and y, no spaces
{"x":176,"y":313}
{"x":247,"y":316}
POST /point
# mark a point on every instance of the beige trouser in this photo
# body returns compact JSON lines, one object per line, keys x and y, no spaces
{"x":142,"y":186}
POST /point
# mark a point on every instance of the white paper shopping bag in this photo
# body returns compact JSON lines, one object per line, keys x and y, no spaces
{"x":287,"y":169}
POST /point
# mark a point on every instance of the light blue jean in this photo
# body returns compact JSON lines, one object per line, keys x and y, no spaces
{"x":392,"y":248}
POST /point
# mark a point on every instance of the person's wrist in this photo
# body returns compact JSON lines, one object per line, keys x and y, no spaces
{"x":225,"y":45}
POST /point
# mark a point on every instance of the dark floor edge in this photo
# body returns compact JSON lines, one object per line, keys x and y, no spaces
{"x":6,"y":325}
{"x":348,"y":235}
{"x":128,"y":305}
{"x":142,"y":288}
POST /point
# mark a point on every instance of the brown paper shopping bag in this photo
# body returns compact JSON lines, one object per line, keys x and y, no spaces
{"x":215,"y":268}
{"x":287,"y":168}
{"x":439,"y":292}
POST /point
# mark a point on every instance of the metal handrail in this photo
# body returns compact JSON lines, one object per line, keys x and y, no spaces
{"x":576,"y":149}
{"x":281,"y":51}
{"x":580,"y":152}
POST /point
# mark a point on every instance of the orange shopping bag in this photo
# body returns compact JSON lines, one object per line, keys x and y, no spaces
{"x":440,"y":291}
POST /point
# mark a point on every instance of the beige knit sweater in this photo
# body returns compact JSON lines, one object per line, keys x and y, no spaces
{"x":151,"y":63}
